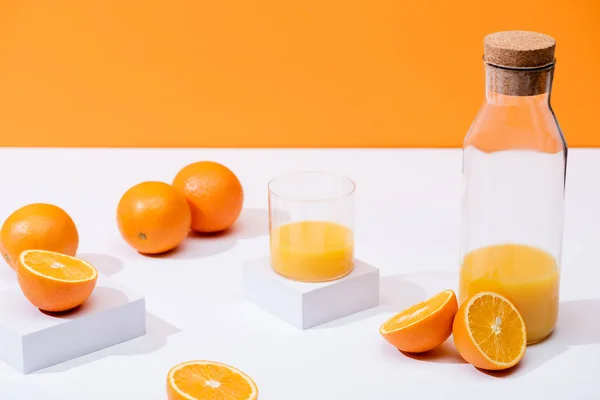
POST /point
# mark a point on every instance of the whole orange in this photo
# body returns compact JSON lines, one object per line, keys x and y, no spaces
{"x":153,"y":217}
{"x":38,"y":226}
{"x":214,"y":193}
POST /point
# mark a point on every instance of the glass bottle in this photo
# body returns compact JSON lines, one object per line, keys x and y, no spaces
{"x":514,"y":173}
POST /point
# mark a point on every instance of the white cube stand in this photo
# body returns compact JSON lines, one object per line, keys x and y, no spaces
{"x":31,"y":339}
{"x":309,"y":304}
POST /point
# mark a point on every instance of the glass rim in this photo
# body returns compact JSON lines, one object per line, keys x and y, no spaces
{"x":344,"y":195}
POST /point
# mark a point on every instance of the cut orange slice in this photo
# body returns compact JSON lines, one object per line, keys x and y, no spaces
{"x":55,"y":282}
{"x":203,"y":380}
{"x":489,"y":332}
{"x":423,"y":326}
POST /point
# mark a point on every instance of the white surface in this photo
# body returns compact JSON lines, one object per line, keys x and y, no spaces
{"x":306,"y":305}
{"x":31,"y":340}
{"x":407,"y":224}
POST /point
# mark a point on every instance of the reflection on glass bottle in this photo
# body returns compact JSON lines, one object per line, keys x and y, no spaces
{"x":514,"y":169}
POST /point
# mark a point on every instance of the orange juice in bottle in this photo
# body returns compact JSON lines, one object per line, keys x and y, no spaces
{"x":514,"y":168}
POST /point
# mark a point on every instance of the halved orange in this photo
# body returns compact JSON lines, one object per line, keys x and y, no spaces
{"x":489,"y":332}
{"x":55,"y":282}
{"x":203,"y":380}
{"x":423,"y":326}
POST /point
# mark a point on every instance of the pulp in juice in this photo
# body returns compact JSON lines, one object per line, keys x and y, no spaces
{"x":527,"y":276}
{"x":312,"y":251}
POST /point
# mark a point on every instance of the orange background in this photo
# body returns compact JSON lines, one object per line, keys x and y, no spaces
{"x":277,"y":73}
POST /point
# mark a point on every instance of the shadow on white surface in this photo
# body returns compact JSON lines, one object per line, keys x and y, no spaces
{"x":395,"y":294}
{"x":107,"y":265}
{"x":8,"y":277}
{"x":578,"y":324}
{"x":253,"y":222}
{"x":157,"y":332}
{"x":110,"y":298}
{"x":197,"y":246}
{"x":444,"y":354}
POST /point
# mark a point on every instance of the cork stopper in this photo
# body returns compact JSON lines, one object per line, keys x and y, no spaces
{"x":519,"y":49}
{"x":520,"y":63}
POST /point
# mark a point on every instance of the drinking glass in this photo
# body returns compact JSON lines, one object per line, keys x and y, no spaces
{"x":311,"y":226}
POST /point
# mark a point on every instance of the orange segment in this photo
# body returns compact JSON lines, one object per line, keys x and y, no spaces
{"x":203,"y":380}
{"x":55,"y":282}
{"x":489,"y":332}
{"x":423,"y":326}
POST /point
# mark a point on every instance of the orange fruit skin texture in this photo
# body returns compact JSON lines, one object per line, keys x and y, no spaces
{"x":428,"y":333}
{"x":467,"y":349}
{"x":37,"y":226}
{"x":153,"y":217}
{"x":215,"y":195}
{"x":51,"y":295}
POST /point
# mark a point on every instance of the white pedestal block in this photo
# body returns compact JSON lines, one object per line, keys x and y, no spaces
{"x":309,"y":304}
{"x":31,"y":339}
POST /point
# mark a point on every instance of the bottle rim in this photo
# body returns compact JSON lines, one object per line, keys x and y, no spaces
{"x":526,"y":69}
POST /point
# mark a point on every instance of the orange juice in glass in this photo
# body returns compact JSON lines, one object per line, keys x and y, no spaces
{"x":311,"y":226}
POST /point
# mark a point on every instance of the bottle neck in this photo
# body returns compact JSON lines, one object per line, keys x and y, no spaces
{"x":518,"y":86}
